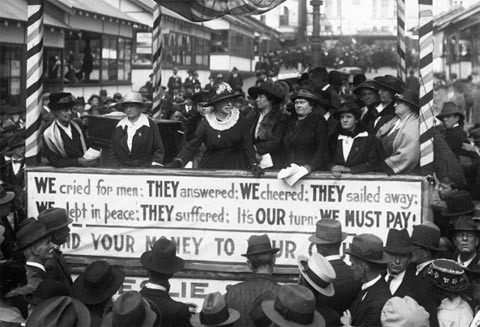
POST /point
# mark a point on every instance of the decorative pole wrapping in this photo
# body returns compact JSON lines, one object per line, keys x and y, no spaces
{"x":34,"y":85}
{"x":401,"y":48}
{"x":157,"y":46}
{"x":427,"y":119}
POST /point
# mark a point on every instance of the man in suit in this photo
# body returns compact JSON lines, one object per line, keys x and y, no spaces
{"x":400,"y":280}
{"x":368,"y":261}
{"x":161,"y":263}
{"x":34,"y":240}
{"x":426,"y":242}
{"x":261,"y":259}
{"x":465,"y":238}
{"x":328,"y":239}
{"x":56,"y":221}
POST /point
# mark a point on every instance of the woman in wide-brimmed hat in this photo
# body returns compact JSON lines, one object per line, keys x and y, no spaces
{"x":225,"y":133}
{"x":354,"y":149}
{"x":401,"y":136}
{"x":453,"y":120}
{"x":306,"y":133}
{"x":384,"y":112}
{"x":268,"y":123}
{"x":136,"y":141}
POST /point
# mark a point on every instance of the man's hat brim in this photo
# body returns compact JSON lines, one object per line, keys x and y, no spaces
{"x":233,"y":315}
{"x":315,"y":239}
{"x":272,"y":250}
{"x":383,"y":260}
{"x":79,"y":288}
{"x":268,"y":307}
{"x":178,"y":264}
{"x":327,"y":291}
{"x":7,"y":198}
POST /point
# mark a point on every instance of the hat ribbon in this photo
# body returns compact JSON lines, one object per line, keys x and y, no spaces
{"x":368,"y":253}
{"x":214,"y":318}
{"x":259,"y":247}
{"x":290,"y":315}
{"x":313,"y":277}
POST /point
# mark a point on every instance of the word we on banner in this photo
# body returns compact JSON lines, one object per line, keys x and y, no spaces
{"x":120,"y":215}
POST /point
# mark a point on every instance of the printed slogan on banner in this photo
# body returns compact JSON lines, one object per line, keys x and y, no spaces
{"x":211,"y":217}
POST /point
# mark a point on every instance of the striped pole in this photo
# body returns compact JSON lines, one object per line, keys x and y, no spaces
{"x":427,"y":119}
{"x":34,"y":81}
{"x":401,"y":48}
{"x":157,"y":57}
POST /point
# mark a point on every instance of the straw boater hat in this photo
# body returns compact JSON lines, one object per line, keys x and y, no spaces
{"x":294,"y":306}
{"x":259,"y":244}
{"x":214,"y":312}
{"x":162,"y":258}
{"x":368,"y":247}
{"x":328,"y":231}
{"x":318,"y":272}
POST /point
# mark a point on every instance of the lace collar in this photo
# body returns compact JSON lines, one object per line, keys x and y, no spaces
{"x":224,"y":124}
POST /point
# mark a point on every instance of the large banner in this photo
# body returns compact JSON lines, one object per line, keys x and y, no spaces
{"x":210,"y":218}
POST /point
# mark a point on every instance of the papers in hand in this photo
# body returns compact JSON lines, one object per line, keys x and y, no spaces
{"x":292,"y":174}
{"x":92,"y":154}
{"x":266,"y":161}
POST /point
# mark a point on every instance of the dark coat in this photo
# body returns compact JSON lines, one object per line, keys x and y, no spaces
{"x":8,"y":176}
{"x":241,"y":296}
{"x":407,"y":286}
{"x":273,"y":125}
{"x":73,"y":149}
{"x":363,"y":155}
{"x":305,"y":141}
{"x":346,"y":288}
{"x":366,"y":313}
{"x":57,"y":268}
{"x":173,"y":313}
{"x":427,"y":296}
{"x":371,"y":116}
{"x":147,"y":146}
{"x":455,"y":137}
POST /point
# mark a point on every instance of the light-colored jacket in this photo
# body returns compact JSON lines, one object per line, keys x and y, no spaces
{"x":406,"y":144}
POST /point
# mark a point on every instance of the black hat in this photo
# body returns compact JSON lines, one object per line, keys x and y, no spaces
{"x":335,"y":78}
{"x":12,"y":275}
{"x":450,"y":108}
{"x":350,"y":107}
{"x":201,"y":97}
{"x":30,"y":234}
{"x":54,"y":219}
{"x":80,"y":100}
{"x":309,"y":94}
{"x":426,"y":235}
{"x":398,"y":242}
{"x":410,"y":98}
{"x":447,"y":275}
{"x":259,"y":244}
{"x":16,"y":140}
{"x":162,"y":258}
{"x":61,"y":100}
{"x":97,"y":283}
{"x":389,"y":82}
{"x":269,"y":88}
{"x":465,"y":223}
{"x":221,"y":92}
{"x":368,"y":247}
{"x":47,"y":289}
{"x":369,"y":85}
{"x":359,"y":79}
{"x":458,"y":203}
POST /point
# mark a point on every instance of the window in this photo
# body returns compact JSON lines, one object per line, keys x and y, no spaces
{"x":220,"y":42}
{"x":241,"y":45}
{"x":143,"y":49}
{"x":11,"y":67}
{"x":91,"y":58}
{"x":185,"y":50}
{"x":284,"y":18}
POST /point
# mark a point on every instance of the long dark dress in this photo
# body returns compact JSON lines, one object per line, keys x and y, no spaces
{"x":229,"y":144}
{"x":305,"y":141}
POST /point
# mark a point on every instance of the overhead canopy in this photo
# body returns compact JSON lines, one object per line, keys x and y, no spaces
{"x":203,"y":10}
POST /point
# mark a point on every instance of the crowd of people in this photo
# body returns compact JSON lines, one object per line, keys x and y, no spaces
{"x":318,"y":121}
{"x":412,"y":280}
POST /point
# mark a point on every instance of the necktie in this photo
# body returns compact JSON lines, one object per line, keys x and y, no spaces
{"x":390,"y":278}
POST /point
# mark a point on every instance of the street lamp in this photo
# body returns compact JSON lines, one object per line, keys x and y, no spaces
{"x":316,"y":44}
